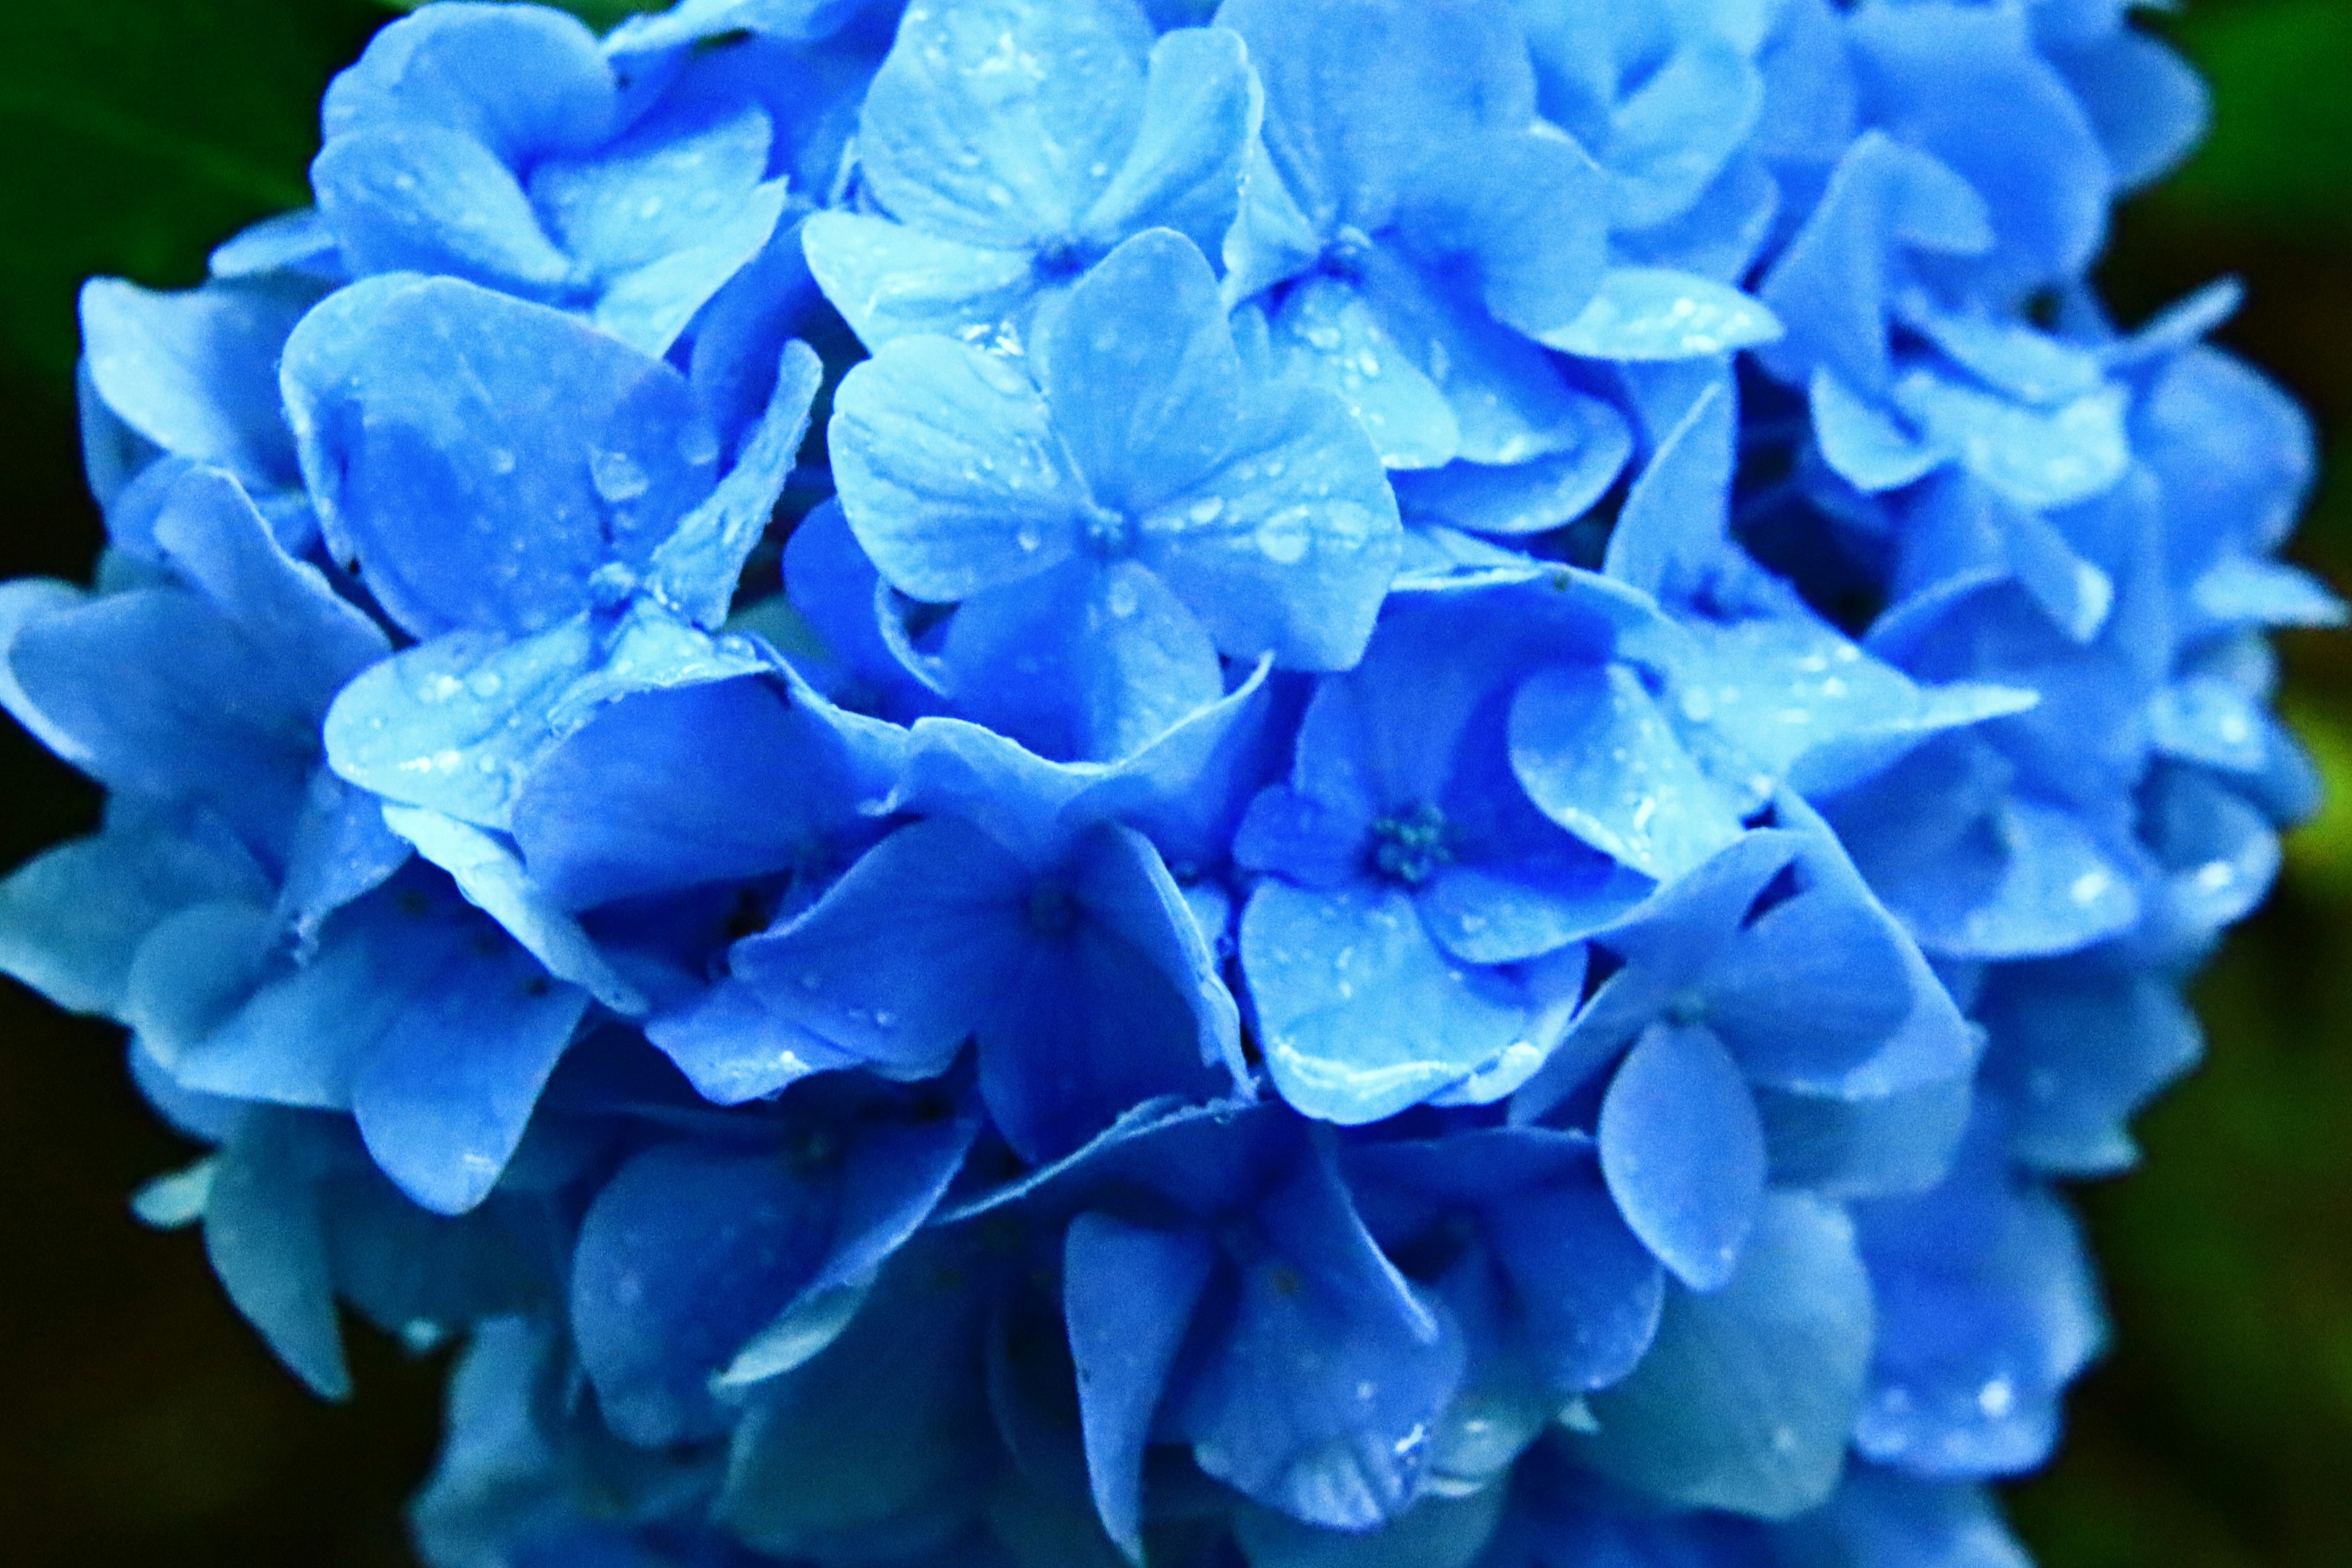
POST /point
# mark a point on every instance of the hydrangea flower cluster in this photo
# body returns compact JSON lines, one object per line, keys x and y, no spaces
{"x":1316,"y":783}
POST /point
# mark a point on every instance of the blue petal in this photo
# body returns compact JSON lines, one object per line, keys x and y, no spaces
{"x":1129,"y":1294}
{"x":658,"y":190}
{"x":456,"y":724}
{"x":1360,"y":1013}
{"x":1647,"y":313}
{"x":1510,"y":402}
{"x":651,"y":795}
{"x":1276,"y":1406}
{"x":342,"y":852}
{"x":479,"y":456}
{"x":2074,"y":1052}
{"x":891,"y":281}
{"x":734,"y":1048}
{"x":263,"y":1237}
{"x":1287,"y":547}
{"x":526,"y":83}
{"x":493,"y":881}
{"x":1535,"y":496}
{"x":72,"y":918}
{"x":1670,"y":136}
{"x":1000,"y":121}
{"x":649,"y":308}
{"x":1184,"y":170}
{"x":903,"y":956}
{"x":1866,"y":445}
{"x":1596,"y":755}
{"x":950,"y":471}
{"x":422,"y":198}
{"x":1590,"y":1293}
{"x":1326,"y":331}
{"x":681,"y":1257}
{"x":1523,"y":212}
{"x":1356,"y":92}
{"x":443,"y":1096}
{"x":1440,"y":1530}
{"x":1808,"y":989}
{"x":1877,"y":1146}
{"x":1674,"y":524}
{"x":1684,"y":1152}
{"x":1746,"y":1400}
{"x":193,"y":373}
{"x":695,"y":569}
{"x":1141,"y":372}
{"x":2036,"y":457}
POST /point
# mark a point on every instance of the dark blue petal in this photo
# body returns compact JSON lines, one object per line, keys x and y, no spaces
{"x":1317,"y":1392}
{"x":1129,"y":1294}
{"x":901,"y":959}
{"x":263,"y":1237}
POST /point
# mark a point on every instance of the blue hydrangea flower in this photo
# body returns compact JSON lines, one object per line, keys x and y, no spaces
{"x":1486,"y":733}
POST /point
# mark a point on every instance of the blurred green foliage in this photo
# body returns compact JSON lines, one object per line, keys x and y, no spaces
{"x":140,"y":1422}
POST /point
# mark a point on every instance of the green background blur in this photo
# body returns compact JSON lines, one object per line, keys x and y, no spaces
{"x":140,"y":1422}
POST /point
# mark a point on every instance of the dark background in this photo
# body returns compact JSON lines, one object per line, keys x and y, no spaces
{"x":142,"y":1423}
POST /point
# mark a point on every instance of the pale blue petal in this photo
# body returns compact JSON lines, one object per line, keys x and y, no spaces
{"x":1001,"y":122}
{"x":650,"y":305}
{"x":1684,"y":1152}
{"x":194,"y":372}
{"x":527,"y":83}
{"x":1647,"y":313}
{"x":1535,"y":496}
{"x":1289,"y":546}
{"x":422,"y":198}
{"x":1184,"y":171}
{"x":889,"y":281}
{"x":694,"y":570}
{"x":950,"y":471}
{"x":1325,"y":331}
{"x":1598,"y":757}
{"x":1745,"y":1402}
{"x":658,"y":190}
{"x":479,"y":456}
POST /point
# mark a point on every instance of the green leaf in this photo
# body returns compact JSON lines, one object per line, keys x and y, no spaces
{"x":2281,"y":152}
{"x":598,"y":13}
{"x":144,"y":131}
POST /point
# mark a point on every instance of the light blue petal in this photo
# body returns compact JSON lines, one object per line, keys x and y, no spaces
{"x":889,"y":281}
{"x":193,"y":373}
{"x":1675,"y":525}
{"x":734,"y":1048}
{"x":1509,"y":400}
{"x":1864,"y":443}
{"x":950,"y":471}
{"x":1745,"y":1402}
{"x":658,"y":190}
{"x":1289,"y":546}
{"x":1668,"y":137}
{"x":342,"y":852}
{"x":1359,"y":1012}
{"x":1141,"y":372}
{"x":1684,"y":1152}
{"x":2035,"y":458}
{"x":650,"y":305}
{"x":1128,"y":1293}
{"x":1356,"y":92}
{"x":424,"y":198}
{"x":1201,"y":112}
{"x":1001,"y":122}
{"x":72,"y":918}
{"x":526,"y":83}
{"x":1326,"y":332}
{"x":1649,"y":314}
{"x":1535,"y":496}
{"x":695,"y":569}
{"x":1523,"y":213}
{"x":479,"y":456}
{"x":1596,"y":755}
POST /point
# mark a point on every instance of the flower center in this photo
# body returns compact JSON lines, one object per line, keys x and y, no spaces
{"x":1062,"y":257}
{"x":1110,"y":535}
{"x":1344,"y":256}
{"x":1053,"y":910}
{"x":1411,"y":847}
